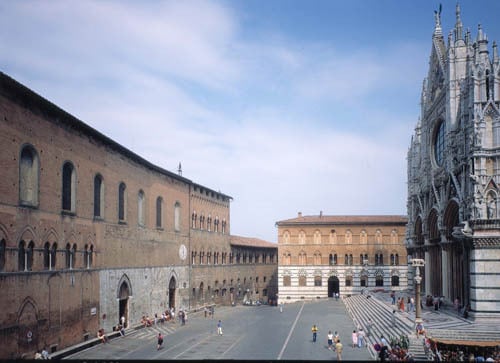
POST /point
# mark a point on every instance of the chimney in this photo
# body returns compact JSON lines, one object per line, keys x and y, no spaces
{"x":300,"y":214}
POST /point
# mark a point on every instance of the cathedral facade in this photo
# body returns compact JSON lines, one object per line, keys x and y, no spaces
{"x":91,"y":232}
{"x":322,"y":255}
{"x":454,"y":171}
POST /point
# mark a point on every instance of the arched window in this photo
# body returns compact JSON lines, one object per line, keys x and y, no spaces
{"x":363,"y":237}
{"x":317,"y":237}
{"x":177,"y":217}
{"x":121,"y":202}
{"x":330,"y":260}
{"x":21,"y":254}
{"x":302,"y":237}
{"x":302,"y":280}
{"x":29,"y":256}
{"x":98,"y":196}
{"x":3,"y":247}
{"x":286,"y":237}
{"x":68,"y":187}
{"x":439,"y":134}
{"x":287,"y":280}
{"x":317,"y":281}
{"x":396,"y":262}
{"x":223,"y":225}
{"x":193,"y":219}
{"x":91,"y":256}
{"x":209,"y":223}
{"x":53,"y":255}
{"x":378,"y":236}
{"x":73,"y":256}
{"x":394,"y":236}
{"x":29,"y":167}
{"x":395,"y":281}
{"x":46,"y":256}
{"x":348,"y":281}
{"x":141,"y":208}
{"x":348,"y":237}
{"x":393,"y":260}
{"x":68,"y":255}
{"x":159,"y":203}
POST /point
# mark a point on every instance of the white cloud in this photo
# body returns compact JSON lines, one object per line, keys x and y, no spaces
{"x":174,"y":82}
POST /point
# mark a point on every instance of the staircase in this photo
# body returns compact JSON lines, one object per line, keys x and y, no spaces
{"x":361,"y":308}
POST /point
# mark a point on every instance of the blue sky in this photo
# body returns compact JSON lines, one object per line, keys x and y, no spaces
{"x":287,"y":106}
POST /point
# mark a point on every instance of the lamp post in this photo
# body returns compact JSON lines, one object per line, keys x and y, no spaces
{"x":417,"y":263}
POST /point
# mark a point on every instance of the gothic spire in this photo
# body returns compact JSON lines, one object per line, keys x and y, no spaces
{"x":458,"y":24}
{"x":437,"y":19}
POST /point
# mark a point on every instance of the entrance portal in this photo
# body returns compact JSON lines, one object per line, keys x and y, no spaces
{"x":123,"y":303}
{"x":333,"y":286}
{"x":171,"y":293}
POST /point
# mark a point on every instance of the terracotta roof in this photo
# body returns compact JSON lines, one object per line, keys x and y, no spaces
{"x":251,"y":242}
{"x":353,"y":219}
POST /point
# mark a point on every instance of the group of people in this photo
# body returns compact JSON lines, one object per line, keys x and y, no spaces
{"x":44,"y":354}
{"x":333,"y":341}
{"x":358,"y":338}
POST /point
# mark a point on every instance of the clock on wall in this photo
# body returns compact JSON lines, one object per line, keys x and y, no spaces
{"x":182,"y":252}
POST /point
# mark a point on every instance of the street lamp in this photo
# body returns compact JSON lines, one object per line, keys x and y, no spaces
{"x":417,"y":263}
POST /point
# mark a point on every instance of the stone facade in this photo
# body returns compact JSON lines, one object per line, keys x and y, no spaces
{"x":454,"y":171}
{"x":90,"y":231}
{"x":322,"y":255}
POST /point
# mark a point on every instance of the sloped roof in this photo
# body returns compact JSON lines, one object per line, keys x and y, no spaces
{"x":251,"y":242}
{"x":345,"y":219}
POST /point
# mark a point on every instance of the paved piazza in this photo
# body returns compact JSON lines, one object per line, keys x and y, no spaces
{"x":250,"y":332}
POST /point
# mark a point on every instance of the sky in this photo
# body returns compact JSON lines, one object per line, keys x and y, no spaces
{"x":286,"y":106}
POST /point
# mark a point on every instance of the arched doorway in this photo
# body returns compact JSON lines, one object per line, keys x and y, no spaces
{"x":123,"y":302}
{"x":171,"y":292}
{"x":333,"y":286}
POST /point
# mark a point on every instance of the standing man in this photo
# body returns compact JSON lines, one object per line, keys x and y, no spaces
{"x":219,"y":327}
{"x":281,"y":307}
{"x":338,"y":349}
{"x":160,"y":341}
{"x":314,"y":330}
{"x":361,"y":338}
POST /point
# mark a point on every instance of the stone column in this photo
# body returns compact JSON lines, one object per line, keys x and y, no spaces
{"x":444,"y":273}
{"x":427,"y":272}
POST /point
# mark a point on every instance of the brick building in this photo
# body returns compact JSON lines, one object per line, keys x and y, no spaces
{"x":321,"y":255}
{"x":90,"y":232}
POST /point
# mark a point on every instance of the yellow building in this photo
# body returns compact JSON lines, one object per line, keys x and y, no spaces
{"x":322,"y":255}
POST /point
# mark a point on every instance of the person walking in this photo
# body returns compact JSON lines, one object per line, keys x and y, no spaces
{"x":219,"y":327}
{"x":122,"y":321}
{"x":160,"y":341}
{"x":354,"y":339}
{"x":330,"y":339}
{"x":314,"y":330}
{"x":361,"y":338}
{"x":338,"y":349}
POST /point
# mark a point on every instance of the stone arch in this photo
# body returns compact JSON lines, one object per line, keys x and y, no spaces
{"x":27,"y":320}
{"x":451,"y":217}
{"x":419,"y":236}
{"x":433,"y":226}
{"x":27,"y":234}
{"x":124,"y":292}
{"x":50,"y":236}
{"x":172,"y":288}
{"x":124,"y":279}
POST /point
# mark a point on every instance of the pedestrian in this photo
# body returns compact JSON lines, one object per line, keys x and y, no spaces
{"x":336,"y":296}
{"x":412,"y":304}
{"x":314,"y":330}
{"x":369,"y":325}
{"x":383,"y":341}
{"x":338,"y":349}
{"x":361,"y":338}
{"x":102,"y":336}
{"x":330,"y":339}
{"x":393,"y":297}
{"x":45,"y":353}
{"x":354,"y":339}
{"x":206,"y":311}
{"x":281,"y":307}
{"x":122,"y":321}
{"x":219,"y":327}
{"x":160,"y":341}
{"x":212,"y":311}
{"x":393,"y":318}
